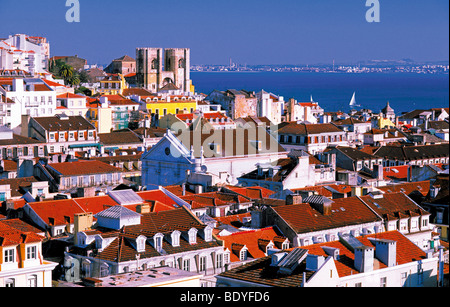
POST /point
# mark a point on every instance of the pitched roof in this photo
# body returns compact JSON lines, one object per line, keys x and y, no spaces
{"x":72,"y":123}
{"x":408,"y":187}
{"x":260,"y":271}
{"x":306,"y":129}
{"x":405,"y":153}
{"x":303,"y":218}
{"x":19,"y":140}
{"x":256,"y":242}
{"x":227,"y":140}
{"x":355,"y":154}
{"x":119,"y":137}
{"x":121,"y":249}
{"x":394,"y":206}
{"x":83,"y":167}
{"x":12,"y":236}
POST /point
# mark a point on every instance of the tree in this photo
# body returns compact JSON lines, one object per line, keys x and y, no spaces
{"x":66,"y":72}
{"x":73,"y":80}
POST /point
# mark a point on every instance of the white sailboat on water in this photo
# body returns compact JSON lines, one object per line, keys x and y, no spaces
{"x":353,"y":101}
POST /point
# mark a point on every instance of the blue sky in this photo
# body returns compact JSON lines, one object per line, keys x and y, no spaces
{"x":248,"y":31}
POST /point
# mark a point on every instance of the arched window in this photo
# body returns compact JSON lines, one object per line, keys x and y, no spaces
{"x":155,"y":64}
{"x":175,"y":236}
{"x":192,"y":236}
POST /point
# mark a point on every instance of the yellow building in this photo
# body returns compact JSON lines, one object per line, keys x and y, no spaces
{"x":385,"y":122}
{"x":170,"y":105}
{"x":113,"y":84}
{"x":100,"y":115}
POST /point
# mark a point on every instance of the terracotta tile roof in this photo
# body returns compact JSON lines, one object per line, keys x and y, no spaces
{"x":21,"y":225}
{"x":235,"y":220}
{"x":73,"y":123}
{"x":306,"y":129}
{"x":83,"y":167}
{"x":19,"y":140}
{"x":119,"y":137}
{"x":18,"y":185}
{"x":58,"y":211}
{"x":227,"y":137}
{"x":256,"y":242}
{"x":303,"y":218}
{"x":252,"y":192}
{"x":164,"y":222}
{"x":70,"y":95}
{"x":411,"y":153}
{"x":407,"y":251}
{"x":11,"y":236}
{"x":408,"y":187}
{"x":214,"y":199}
{"x":393,"y":206}
{"x":260,"y":271}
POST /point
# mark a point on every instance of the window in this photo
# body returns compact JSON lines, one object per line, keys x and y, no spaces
{"x":243,"y":254}
{"x":192,"y":236}
{"x":158,"y":242}
{"x":425,"y":223}
{"x":9,"y":255}
{"x":358,"y":285}
{"x":202,"y":264}
{"x":404,"y":278}
{"x":219,"y":261}
{"x":186,"y":265}
{"x":32,"y":281}
{"x":10,"y":283}
{"x":104,"y":270}
{"x":31,"y":252}
{"x":383,"y":282}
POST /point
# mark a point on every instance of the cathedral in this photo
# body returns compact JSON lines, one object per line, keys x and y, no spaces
{"x":155,"y":70}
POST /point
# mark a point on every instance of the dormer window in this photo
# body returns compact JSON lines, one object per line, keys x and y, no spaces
{"x":140,"y":244}
{"x":192,"y":233}
{"x":243,"y":254}
{"x":175,"y":236}
{"x":99,"y":242}
{"x":158,"y":241}
{"x":208,"y":233}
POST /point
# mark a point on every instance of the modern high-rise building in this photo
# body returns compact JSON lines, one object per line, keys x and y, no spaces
{"x":157,"y":67}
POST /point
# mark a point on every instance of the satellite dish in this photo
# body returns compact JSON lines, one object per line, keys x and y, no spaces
{"x":204,"y":168}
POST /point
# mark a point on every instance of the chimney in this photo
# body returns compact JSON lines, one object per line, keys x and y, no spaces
{"x":294,"y":199}
{"x":17,"y":85}
{"x":364,"y":256}
{"x":143,"y":208}
{"x":257,"y":220}
{"x":385,"y":251}
{"x":378,"y":172}
{"x":82,"y":222}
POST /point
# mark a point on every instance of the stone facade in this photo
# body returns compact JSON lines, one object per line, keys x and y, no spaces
{"x":152,"y":75}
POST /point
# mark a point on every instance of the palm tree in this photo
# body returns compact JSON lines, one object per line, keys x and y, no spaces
{"x":74,"y":80}
{"x":66,"y":71}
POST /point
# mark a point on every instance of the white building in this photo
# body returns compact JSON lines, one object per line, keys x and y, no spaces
{"x":299,"y":170}
{"x":270,"y":106}
{"x":222,"y":155}
{"x":382,"y":260}
{"x":25,"y":52}
{"x":22,"y":264}
{"x":31,"y":97}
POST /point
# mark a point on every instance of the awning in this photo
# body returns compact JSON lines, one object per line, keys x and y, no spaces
{"x":84,"y":145}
